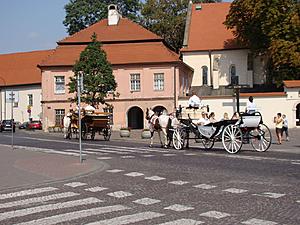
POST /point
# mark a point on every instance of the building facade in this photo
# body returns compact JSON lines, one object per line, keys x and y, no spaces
{"x":20,"y":78}
{"x":212,"y":51}
{"x":148,"y":74}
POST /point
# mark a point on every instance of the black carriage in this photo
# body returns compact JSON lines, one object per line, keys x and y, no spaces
{"x":91,"y":123}
{"x":232,"y":133}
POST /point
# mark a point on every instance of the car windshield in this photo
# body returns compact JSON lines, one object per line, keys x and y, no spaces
{"x":35,"y":121}
{"x":6,"y":121}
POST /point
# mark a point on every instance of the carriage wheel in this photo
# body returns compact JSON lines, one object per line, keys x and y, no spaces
{"x":208,"y":143}
{"x":84,"y":131}
{"x":178,"y":139}
{"x":232,"y":139}
{"x":106,"y":134}
{"x":75,"y":132}
{"x":93,"y":135}
{"x":261,"y":138}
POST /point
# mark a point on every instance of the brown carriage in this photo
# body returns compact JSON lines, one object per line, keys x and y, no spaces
{"x":91,"y":123}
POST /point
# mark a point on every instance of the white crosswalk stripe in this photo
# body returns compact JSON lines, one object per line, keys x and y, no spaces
{"x":43,"y":208}
{"x":66,"y":217}
{"x":27,"y":192}
{"x":127,"y":219}
{"x":37,"y":199}
{"x":182,"y":222}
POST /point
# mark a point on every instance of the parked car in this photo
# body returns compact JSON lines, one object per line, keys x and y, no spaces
{"x":23,"y":125}
{"x":35,"y":125}
{"x":7,"y":125}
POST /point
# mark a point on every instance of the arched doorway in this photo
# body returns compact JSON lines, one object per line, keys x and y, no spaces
{"x":298,"y":115}
{"x":135,"y":118}
{"x":160,"y":109}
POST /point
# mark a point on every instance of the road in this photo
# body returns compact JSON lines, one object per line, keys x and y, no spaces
{"x":141,"y":185}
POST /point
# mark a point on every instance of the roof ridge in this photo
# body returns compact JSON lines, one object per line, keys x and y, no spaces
{"x":19,"y":53}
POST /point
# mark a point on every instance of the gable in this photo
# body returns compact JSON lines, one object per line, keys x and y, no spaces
{"x":124,"y":31}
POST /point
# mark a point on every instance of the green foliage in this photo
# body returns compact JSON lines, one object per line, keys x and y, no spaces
{"x":270,"y":28}
{"x":98,"y":78}
{"x":167,"y":18}
{"x":82,"y":13}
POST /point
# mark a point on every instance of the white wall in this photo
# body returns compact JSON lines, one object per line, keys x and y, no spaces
{"x":221,"y":76}
{"x":20,"y":113}
{"x":268,"y":106}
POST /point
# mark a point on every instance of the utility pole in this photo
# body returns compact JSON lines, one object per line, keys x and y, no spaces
{"x":12,"y":98}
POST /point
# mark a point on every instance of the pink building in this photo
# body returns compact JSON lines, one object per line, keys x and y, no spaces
{"x":148,"y":73}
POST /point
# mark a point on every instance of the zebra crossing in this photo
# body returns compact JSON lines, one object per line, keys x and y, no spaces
{"x":70,"y":202}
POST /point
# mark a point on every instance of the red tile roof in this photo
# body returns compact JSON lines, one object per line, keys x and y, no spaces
{"x":292,"y":83}
{"x":129,"y":53}
{"x":125,"y":31}
{"x":21,"y":68}
{"x":207,"y":31}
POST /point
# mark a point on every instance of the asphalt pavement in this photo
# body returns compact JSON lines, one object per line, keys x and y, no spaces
{"x":24,"y":168}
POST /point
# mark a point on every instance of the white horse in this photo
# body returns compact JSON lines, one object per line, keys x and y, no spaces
{"x":160,"y":123}
{"x":67,"y":126}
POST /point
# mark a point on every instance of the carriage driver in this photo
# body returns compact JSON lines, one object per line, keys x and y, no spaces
{"x":195,"y":101}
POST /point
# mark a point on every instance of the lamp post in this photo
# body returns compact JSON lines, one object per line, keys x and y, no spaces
{"x":79,"y":86}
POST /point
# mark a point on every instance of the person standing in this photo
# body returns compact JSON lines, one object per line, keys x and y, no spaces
{"x":278,"y":125}
{"x":194,"y":101}
{"x":251,"y":106}
{"x":285,"y":128}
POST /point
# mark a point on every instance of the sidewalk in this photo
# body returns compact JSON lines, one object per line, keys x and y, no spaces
{"x":22,"y":168}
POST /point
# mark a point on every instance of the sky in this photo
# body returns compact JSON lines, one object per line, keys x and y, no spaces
{"x":29,"y":25}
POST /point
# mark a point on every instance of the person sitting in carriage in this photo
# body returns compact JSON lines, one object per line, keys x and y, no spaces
{"x":203,"y":120}
{"x":195,"y":101}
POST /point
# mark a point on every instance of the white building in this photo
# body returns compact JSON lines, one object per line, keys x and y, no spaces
{"x":20,"y":77}
{"x":211,"y":50}
{"x":218,"y":61}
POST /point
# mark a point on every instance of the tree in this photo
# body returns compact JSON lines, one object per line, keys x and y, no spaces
{"x":270,"y":28}
{"x":98,"y":78}
{"x":167,"y":18}
{"x":82,"y":13}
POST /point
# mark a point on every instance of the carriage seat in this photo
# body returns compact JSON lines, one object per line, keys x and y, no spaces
{"x":250,"y":120}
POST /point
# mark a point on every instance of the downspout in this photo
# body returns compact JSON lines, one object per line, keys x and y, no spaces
{"x":175,"y":89}
{"x":210,"y":68}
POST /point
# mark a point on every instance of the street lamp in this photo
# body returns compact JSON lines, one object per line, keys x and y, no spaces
{"x":79,"y":87}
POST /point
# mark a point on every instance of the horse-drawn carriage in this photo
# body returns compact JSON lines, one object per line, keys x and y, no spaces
{"x":232,"y":133}
{"x":91,"y":123}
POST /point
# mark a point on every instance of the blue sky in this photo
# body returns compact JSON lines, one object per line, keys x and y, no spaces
{"x":28,"y":25}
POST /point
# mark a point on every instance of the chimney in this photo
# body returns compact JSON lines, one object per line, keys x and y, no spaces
{"x":113,"y":15}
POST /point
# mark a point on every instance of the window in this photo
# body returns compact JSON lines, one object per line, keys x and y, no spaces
{"x":135,"y":82}
{"x":159,"y":81}
{"x":59,"y":84}
{"x":59,"y":116}
{"x":16,"y":104}
{"x":234,"y":77}
{"x":204,"y":75}
{"x":30,"y":99}
{"x":250,"y":61}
